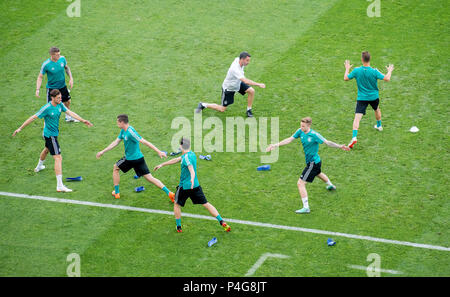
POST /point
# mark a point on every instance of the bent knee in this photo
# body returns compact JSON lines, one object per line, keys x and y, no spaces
{"x":250,"y":90}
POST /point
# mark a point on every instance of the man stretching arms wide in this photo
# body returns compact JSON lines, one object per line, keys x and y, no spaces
{"x":366,"y":79}
{"x":133,"y":156}
{"x":310,"y":141}
{"x":51,"y":112}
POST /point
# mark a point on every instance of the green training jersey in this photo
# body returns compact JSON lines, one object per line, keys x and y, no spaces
{"x":366,"y":79}
{"x":131,"y":141}
{"x":310,"y":142}
{"x":51,"y":115}
{"x":188,"y":159}
{"x":55,"y":73}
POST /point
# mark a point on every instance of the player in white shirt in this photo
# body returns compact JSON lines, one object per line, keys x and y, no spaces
{"x":235,"y":81}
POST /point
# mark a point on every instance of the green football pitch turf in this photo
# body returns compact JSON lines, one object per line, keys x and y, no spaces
{"x":155,"y":60}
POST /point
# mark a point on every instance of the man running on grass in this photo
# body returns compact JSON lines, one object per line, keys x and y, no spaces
{"x":310,"y":141}
{"x":133,"y":157}
{"x":235,"y":81}
{"x":51,"y":113}
{"x":366,"y":79}
{"x":189,"y":186}
{"x":54,"y":67}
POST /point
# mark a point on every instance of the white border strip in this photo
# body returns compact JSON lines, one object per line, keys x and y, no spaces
{"x":250,"y":223}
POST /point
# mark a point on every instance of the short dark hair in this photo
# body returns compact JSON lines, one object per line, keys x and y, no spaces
{"x":123,"y":118}
{"x":53,"y":50}
{"x":185,"y":143}
{"x":54,"y":93}
{"x":244,"y":55}
{"x":365,"y":56}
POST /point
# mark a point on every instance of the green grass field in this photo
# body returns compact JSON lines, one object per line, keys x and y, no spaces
{"x":155,"y":61}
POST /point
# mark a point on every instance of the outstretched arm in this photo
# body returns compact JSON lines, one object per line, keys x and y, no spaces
{"x":283,"y":142}
{"x":74,"y":115}
{"x":150,"y":145}
{"x":335,"y":145}
{"x":26,"y":123}
{"x":389,"y":68}
{"x":347,"y":69}
{"x":170,"y":162}
{"x":109,"y":147}
{"x":252,"y":83}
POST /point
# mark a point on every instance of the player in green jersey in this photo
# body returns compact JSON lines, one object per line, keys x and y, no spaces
{"x":54,"y":68}
{"x":310,"y":141}
{"x":189,"y":186}
{"x":133,"y":156}
{"x":366,"y":79}
{"x":51,"y":112}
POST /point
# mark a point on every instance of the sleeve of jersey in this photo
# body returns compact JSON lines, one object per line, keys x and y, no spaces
{"x":43,"y":69}
{"x":379,"y":74}
{"x":43,"y":111}
{"x":320,"y":138}
{"x":120,"y":136}
{"x":297,"y":133}
{"x":63,"y":107}
{"x":135,"y":135}
{"x":187,"y":162}
{"x":352,"y":74}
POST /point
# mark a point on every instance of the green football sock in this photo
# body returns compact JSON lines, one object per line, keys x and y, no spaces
{"x":165,"y":189}
{"x":116,"y":189}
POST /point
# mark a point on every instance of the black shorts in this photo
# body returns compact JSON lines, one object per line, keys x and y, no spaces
{"x":311,"y":171}
{"x":361,"y":105}
{"x":65,"y":95}
{"x":139,"y":166}
{"x":51,"y":143}
{"x":196,"y":195}
{"x":228,"y":96}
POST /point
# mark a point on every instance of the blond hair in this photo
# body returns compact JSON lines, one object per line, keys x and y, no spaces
{"x":307,"y":121}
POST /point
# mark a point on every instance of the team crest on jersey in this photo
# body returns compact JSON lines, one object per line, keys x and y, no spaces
{"x":126,"y":137}
{"x":62,"y":64}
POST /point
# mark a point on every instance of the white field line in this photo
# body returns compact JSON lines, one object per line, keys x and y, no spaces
{"x":359,"y":267}
{"x":249,"y":223}
{"x":261,"y":260}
